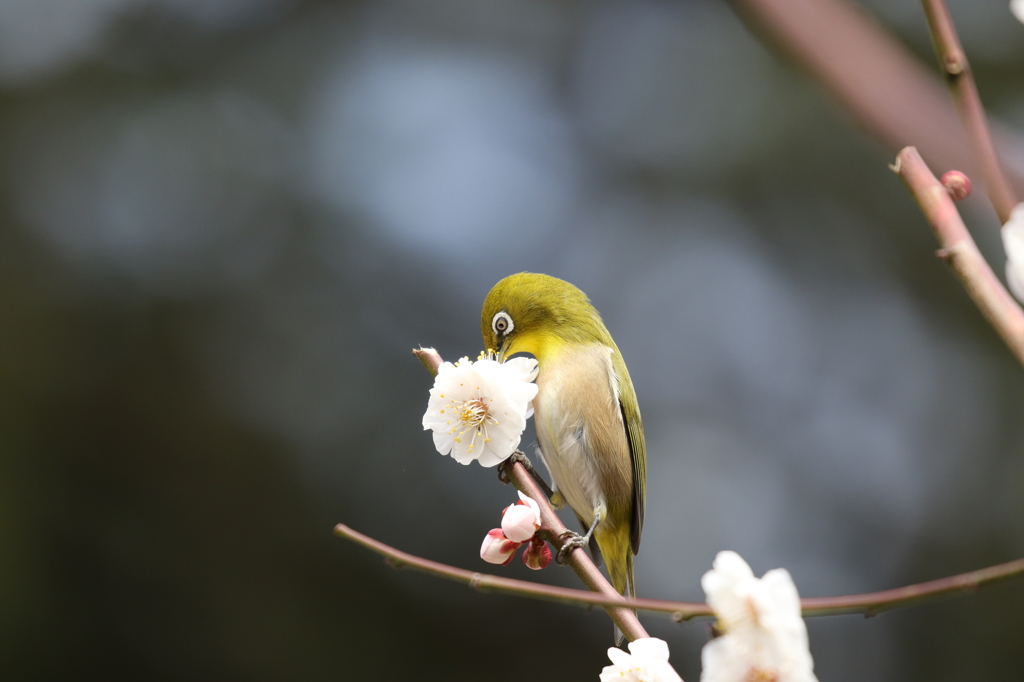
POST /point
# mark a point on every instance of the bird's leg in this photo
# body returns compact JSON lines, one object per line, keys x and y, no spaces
{"x":518,"y":456}
{"x":574,"y":540}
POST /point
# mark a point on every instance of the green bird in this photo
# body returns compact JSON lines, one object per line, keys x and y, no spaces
{"x":586,"y":412}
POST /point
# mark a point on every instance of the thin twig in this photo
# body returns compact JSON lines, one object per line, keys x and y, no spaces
{"x":885,"y":88}
{"x":877,"y":80}
{"x":868,"y":604}
{"x":492,"y":583}
{"x":430,"y":358}
{"x":554,"y":531}
{"x":873,"y":603}
{"x":958,"y":75}
{"x":960,"y":252}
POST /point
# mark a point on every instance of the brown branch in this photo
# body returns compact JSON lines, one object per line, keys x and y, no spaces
{"x":938,"y":207}
{"x":957,"y":71}
{"x":554,"y":531}
{"x":960,"y":252}
{"x":868,"y":604}
{"x":430,"y":359}
{"x":873,"y":603}
{"x":492,"y":583}
{"x":878,"y":81}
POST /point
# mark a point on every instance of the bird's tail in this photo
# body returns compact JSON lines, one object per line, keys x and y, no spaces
{"x":618,"y":557}
{"x":628,"y":590}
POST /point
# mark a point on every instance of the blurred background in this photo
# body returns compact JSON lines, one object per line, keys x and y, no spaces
{"x":225,"y":223}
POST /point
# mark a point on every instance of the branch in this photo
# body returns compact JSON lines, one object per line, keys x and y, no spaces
{"x":554,"y":531}
{"x":937,"y":205}
{"x":873,"y":603}
{"x":486,"y":582}
{"x":877,"y":80}
{"x":960,"y":252}
{"x":868,"y":604}
{"x":958,"y":74}
{"x":430,"y":359}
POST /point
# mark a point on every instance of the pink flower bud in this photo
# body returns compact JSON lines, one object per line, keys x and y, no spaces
{"x":498,"y":549}
{"x":957,"y":184}
{"x":537,"y":555}
{"x":520,"y":522}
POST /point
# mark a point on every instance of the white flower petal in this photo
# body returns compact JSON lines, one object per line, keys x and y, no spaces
{"x":1013,"y":243}
{"x":722,"y":661}
{"x":647,"y":661}
{"x":764,"y":633}
{"x":496,"y":548}
{"x":1017,"y":7}
{"x":525,"y":369}
{"x":480,"y":408}
{"x":618,"y":657}
{"x":519,"y":523}
{"x":650,"y":648}
{"x":531,"y":503}
{"x":443,"y":442}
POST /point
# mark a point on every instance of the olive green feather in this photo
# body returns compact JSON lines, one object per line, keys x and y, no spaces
{"x":635,"y":428}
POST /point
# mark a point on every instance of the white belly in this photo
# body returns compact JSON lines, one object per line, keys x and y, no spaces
{"x":575,"y":410}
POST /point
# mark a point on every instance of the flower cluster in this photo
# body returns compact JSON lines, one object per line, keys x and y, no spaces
{"x":519,"y":523}
{"x":764,"y":637}
{"x":478,"y":410}
{"x":647,"y":661}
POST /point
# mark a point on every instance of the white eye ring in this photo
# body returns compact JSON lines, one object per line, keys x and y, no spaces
{"x":501,"y":323}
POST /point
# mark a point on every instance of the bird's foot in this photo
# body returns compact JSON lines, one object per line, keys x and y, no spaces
{"x":519,"y":456}
{"x":570,"y":540}
{"x":516,"y":456}
{"x":504,"y":467}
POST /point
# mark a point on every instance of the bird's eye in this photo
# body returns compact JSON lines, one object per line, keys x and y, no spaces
{"x":501,"y":323}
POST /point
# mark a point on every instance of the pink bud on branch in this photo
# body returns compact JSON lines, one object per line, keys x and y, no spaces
{"x":537,"y":555}
{"x":957,"y":184}
{"x":497,"y":549}
{"x":520,"y":521}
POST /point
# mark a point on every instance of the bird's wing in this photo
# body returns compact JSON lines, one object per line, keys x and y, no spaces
{"x":635,"y":430}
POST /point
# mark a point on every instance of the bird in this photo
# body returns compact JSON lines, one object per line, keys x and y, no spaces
{"x":590,"y":434}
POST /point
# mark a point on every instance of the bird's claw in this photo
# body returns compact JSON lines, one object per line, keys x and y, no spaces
{"x":516,"y":456}
{"x":572,"y":540}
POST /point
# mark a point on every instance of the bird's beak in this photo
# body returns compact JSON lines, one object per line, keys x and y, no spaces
{"x":503,"y":351}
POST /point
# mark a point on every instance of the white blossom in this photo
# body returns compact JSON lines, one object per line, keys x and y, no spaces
{"x":1017,"y":7}
{"x":478,"y":410}
{"x":647,"y":661}
{"x":764,"y":636}
{"x":521,"y":520}
{"x":496,"y":548}
{"x":1013,"y":234}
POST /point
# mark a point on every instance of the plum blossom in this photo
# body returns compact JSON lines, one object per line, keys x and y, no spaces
{"x":647,"y":661}
{"x":764,"y":636}
{"x":478,"y":410}
{"x":1013,"y":239}
{"x":498,"y":549}
{"x":537,"y":555}
{"x":520,"y":521}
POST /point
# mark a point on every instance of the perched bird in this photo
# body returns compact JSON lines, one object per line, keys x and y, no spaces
{"x":586,"y":413}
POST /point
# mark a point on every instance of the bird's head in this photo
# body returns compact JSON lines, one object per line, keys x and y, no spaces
{"x":538,"y":314}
